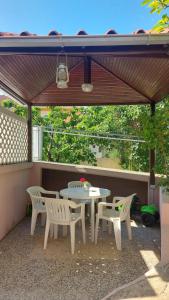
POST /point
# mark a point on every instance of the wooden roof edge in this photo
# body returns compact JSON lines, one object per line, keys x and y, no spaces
{"x":90,"y":103}
{"x":85,"y":40}
{"x":9,"y":91}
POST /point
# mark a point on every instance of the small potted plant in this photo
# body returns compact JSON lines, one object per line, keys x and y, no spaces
{"x":85,"y":182}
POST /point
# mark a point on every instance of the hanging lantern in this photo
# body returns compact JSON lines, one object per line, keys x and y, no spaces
{"x":62,"y":74}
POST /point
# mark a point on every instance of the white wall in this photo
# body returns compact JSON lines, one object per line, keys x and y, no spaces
{"x":37,"y":143}
{"x":14,"y":179}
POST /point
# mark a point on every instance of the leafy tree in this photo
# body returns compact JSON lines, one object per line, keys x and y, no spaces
{"x":159,"y":6}
{"x":156,"y":134}
{"x":65,"y":148}
{"x":21,"y":111}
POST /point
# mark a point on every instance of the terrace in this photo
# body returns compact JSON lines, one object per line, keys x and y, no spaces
{"x":131,"y":69}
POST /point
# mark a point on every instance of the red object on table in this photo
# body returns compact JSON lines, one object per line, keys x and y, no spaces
{"x":83,"y":179}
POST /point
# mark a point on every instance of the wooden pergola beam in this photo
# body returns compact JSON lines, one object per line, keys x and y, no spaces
{"x":29,"y":120}
{"x":87,"y":69}
{"x":12,"y":93}
{"x":152,"y":151}
{"x":89,"y":104}
{"x":152,"y":49}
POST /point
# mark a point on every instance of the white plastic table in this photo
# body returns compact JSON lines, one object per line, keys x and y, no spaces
{"x":91,"y":193}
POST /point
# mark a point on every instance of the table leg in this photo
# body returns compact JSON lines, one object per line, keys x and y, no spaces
{"x":104,"y":222}
{"x":65,"y":226}
{"x":92,"y":219}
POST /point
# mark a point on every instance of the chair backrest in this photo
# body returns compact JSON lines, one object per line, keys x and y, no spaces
{"x":76,"y":184}
{"x":124,"y":207}
{"x":58,"y":210}
{"x":36,"y":197}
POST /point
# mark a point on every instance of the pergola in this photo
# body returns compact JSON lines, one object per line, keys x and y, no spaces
{"x":124,"y":70}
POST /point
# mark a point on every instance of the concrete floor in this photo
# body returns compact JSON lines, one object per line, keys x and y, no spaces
{"x":29,"y":272}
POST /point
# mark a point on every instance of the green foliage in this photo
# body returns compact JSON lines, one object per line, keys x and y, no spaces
{"x":156,"y":5}
{"x":156,"y":134}
{"x":21,"y":111}
{"x":159,"y":6}
{"x":65,"y":148}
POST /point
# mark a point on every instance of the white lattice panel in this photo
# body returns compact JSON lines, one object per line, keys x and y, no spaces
{"x":13,"y":138}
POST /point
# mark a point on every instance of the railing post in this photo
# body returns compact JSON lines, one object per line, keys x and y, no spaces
{"x":152,"y":164}
{"x":29,"y":133}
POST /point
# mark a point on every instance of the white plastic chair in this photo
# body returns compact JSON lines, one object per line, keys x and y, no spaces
{"x":59,"y":213}
{"x":38,"y":203}
{"x":120,"y":212}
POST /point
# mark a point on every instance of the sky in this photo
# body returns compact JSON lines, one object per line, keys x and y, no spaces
{"x":69,"y":16}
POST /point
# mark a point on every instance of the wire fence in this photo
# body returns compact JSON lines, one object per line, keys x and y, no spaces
{"x":110,"y":150}
{"x":105,"y":135}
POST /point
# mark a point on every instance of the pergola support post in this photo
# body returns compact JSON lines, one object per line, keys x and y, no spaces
{"x":152,"y":164}
{"x":87,"y":69}
{"x":29,"y":133}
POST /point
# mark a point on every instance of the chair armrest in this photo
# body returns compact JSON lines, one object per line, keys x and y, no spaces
{"x":116,"y":199}
{"x":80,"y":205}
{"x":120,"y":202}
{"x":101,"y":205}
{"x":74,"y":205}
{"x":51,"y":193}
{"x":39,"y":198}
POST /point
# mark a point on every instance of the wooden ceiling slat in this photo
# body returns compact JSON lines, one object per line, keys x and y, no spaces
{"x":136,"y":80}
{"x":107,"y":88}
{"x":145,"y":74}
{"x":29,"y":75}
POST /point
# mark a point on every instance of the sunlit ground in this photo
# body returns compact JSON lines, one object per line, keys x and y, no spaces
{"x":154,"y":285}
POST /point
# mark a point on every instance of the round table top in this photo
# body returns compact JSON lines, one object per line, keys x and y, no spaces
{"x":85,"y":193}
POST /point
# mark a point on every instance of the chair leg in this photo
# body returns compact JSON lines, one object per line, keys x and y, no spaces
{"x":83,"y":231}
{"x":96,"y":229}
{"x":104,"y":222}
{"x":33,"y":221}
{"x":51,"y":230}
{"x":128,"y":225}
{"x":117,"y":232}
{"x":110,"y":227}
{"x":46,"y":234}
{"x":43,"y":219}
{"x":104,"y":225}
{"x":92,"y":219}
{"x":55,"y":231}
{"x":72,"y":236}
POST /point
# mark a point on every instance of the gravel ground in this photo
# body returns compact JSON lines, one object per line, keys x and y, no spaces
{"x":29,"y":272}
{"x":153,"y":285}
